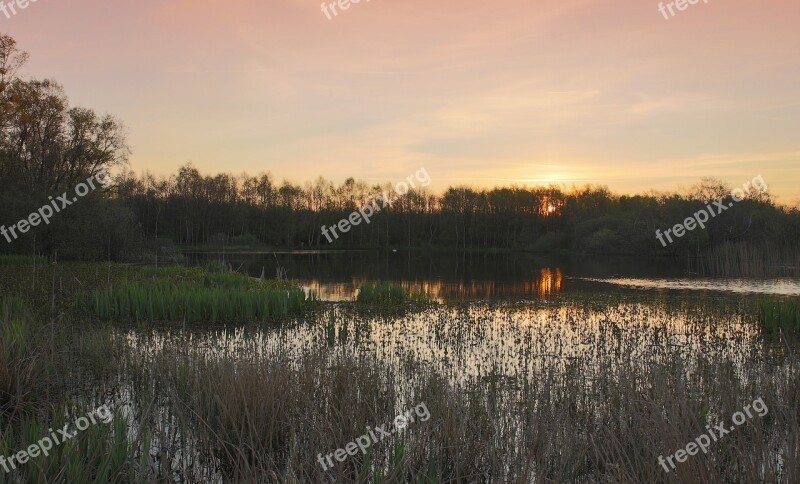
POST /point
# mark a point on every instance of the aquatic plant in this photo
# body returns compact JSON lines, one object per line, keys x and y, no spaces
{"x":21,"y":366}
{"x":103,"y":452}
{"x":381,"y":294}
{"x":216,"y":297}
{"x":22,"y":260}
{"x":783,"y":313}
{"x":743,"y":259}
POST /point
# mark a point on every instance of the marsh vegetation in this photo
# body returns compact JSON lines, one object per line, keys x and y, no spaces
{"x":569,"y":387}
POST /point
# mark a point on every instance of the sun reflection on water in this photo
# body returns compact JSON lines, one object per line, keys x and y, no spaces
{"x":543,"y":282}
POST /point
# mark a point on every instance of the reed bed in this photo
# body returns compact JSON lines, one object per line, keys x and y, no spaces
{"x":780,"y":313}
{"x":21,"y":366}
{"x":584,"y":388}
{"x":33,"y":402}
{"x":103,"y":453}
{"x":744,"y":259}
{"x":185,"y":302}
{"x":265,"y":405}
{"x":22,"y":260}
{"x":381,"y":294}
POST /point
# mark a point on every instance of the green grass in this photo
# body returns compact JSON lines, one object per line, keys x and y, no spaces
{"x":22,"y":260}
{"x":198,"y":296}
{"x":11,"y":307}
{"x":775,"y":313}
{"x":101,"y":453}
{"x":35,"y":371}
{"x":217,"y":266}
{"x":382,"y":294}
{"x":20,"y":360}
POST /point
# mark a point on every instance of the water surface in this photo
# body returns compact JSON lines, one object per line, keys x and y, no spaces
{"x":451,"y":276}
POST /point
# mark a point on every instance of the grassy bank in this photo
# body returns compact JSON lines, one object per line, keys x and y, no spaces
{"x":171,"y":294}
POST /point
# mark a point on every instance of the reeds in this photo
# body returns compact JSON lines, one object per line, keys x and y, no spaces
{"x":21,"y":365}
{"x":780,"y":313}
{"x":22,"y":260}
{"x":586,"y":388}
{"x":745,"y":259}
{"x":266,"y":417}
{"x":216,"y":297}
{"x":103,"y":453}
{"x":382,"y":294}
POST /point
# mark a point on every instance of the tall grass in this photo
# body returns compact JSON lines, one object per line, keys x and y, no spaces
{"x":779,"y":313}
{"x":103,"y":453}
{"x":22,"y":260}
{"x":22,"y":365}
{"x":41,"y":366}
{"x":381,"y":294}
{"x":746,"y":259}
{"x":585,"y":390}
{"x":200,"y":297}
{"x":266,"y":417}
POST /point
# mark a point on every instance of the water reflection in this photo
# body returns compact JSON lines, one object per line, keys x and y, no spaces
{"x":544,"y":282}
{"x":459,"y":276}
{"x":486,"y":340}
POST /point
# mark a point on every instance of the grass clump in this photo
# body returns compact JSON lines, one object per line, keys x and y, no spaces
{"x":21,"y":260}
{"x":179,"y":295}
{"x":776,"y":313}
{"x":35,"y":387}
{"x":22,"y":357}
{"x":104,"y":452}
{"x":381,"y":294}
{"x":217,"y":266}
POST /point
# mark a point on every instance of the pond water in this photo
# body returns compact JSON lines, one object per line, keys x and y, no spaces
{"x":459,"y":276}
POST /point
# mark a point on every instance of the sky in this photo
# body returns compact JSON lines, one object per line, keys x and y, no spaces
{"x":479,"y":93}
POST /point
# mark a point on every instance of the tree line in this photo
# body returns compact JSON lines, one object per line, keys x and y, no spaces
{"x":195,"y":209}
{"x":47,"y":147}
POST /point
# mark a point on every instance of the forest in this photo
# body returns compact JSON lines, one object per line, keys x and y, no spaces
{"x":48,"y":146}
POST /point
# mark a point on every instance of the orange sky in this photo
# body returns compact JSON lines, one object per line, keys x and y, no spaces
{"x":480,"y":93}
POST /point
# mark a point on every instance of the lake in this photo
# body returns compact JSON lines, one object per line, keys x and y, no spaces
{"x":452,"y":276}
